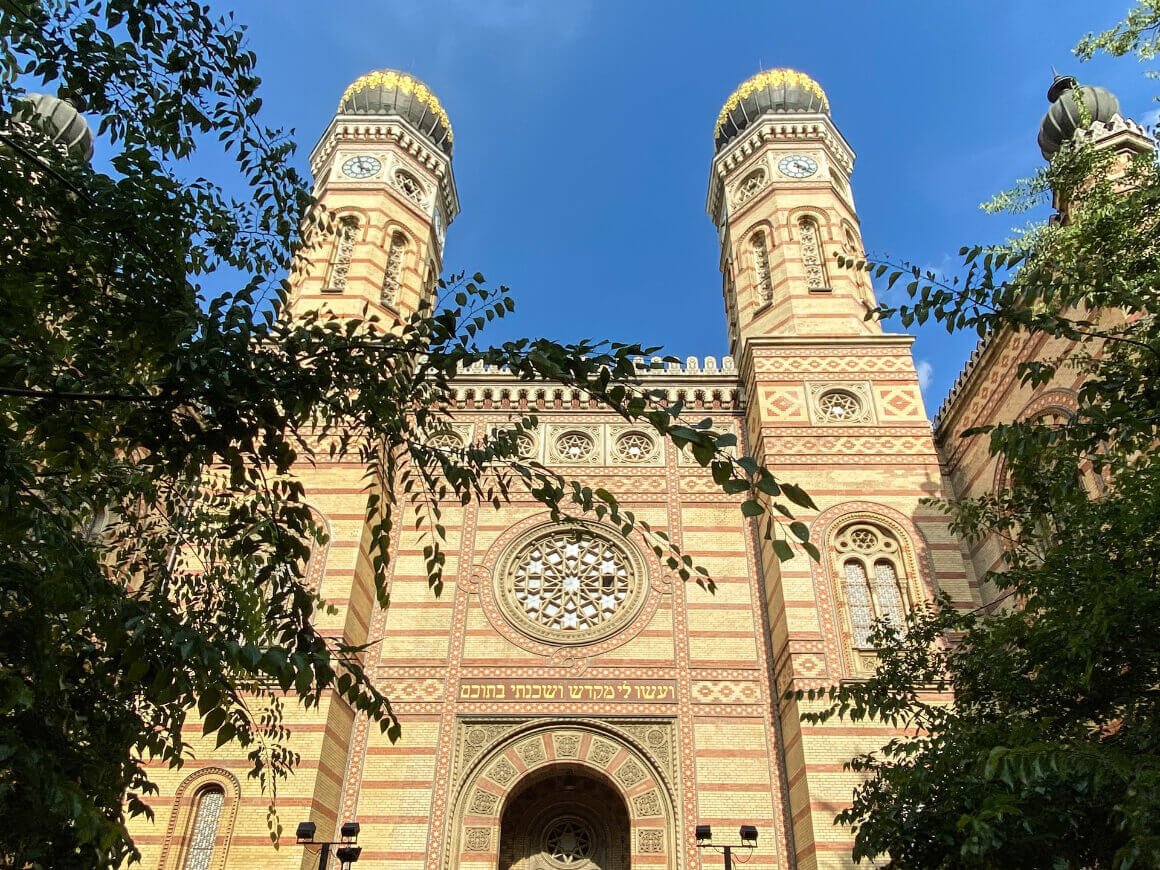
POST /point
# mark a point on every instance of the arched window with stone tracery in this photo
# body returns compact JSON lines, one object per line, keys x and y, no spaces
{"x":393,"y":276}
{"x":813,"y":260}
{"x":340,"y":261}
{"x":763,"y":280}
{"x":201,"y":822}
{"x":203,"y":833}
{"x":872,"y":576}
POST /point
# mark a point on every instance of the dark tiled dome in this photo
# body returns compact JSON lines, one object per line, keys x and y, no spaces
{"x":781,"y":91}
{"x":390,"y":92}
{"x":61,"y":121}
{"x":1065,"y":117}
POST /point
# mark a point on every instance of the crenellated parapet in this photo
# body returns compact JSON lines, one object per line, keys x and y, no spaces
{"x":705,"y":384}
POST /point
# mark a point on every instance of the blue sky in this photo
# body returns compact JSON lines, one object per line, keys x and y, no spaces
{"x":583,"y":131}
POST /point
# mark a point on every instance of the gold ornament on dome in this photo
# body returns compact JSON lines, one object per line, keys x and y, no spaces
{"x":769,"y":78}
{"x":387,"y":78}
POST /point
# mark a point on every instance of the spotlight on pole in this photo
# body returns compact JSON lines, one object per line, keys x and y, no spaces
{"x":748,"y":833}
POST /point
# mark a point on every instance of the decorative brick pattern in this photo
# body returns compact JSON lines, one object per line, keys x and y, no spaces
{"x":678,"y":709}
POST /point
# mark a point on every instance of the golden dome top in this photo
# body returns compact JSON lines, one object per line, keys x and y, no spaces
{"x":390,"y":92}
{"x":771,"y":90}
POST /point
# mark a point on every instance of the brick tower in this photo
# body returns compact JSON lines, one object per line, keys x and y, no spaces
{"x":833,"y":404}
{"x":383,"y":171}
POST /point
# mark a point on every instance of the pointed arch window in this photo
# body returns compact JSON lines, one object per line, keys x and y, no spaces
{"x":873,"y":582}
{"x":203,"y":835}
{"x":343,"y":253}
{"x":763,"y":279}
{"x":393,"y":277}
{"x":812,"y":259}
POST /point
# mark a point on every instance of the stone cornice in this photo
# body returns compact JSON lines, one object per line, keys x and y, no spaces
{"x":838,"y":344}
{"x":1100,"y":134}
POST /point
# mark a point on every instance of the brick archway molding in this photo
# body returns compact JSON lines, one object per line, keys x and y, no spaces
{"x":472,"y":838}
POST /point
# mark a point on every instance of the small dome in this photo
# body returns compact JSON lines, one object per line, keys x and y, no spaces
{"x":774,"y":90}
{"x":1064,"y":116}
{"x":61,"y":122}
{"x":389,"y":92}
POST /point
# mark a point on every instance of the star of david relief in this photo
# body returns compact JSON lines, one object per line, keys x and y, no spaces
{"x":841,"y":403}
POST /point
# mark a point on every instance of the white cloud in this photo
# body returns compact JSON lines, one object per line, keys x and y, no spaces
{"x":1151,"y":119}
{"x":925,"y":373}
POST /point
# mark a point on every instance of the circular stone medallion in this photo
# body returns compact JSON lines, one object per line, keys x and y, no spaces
{"x":570,"y":584}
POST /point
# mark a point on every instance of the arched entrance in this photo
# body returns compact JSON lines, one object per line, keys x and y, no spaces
{"x":564,"y":818}
{"x":546,"y":787}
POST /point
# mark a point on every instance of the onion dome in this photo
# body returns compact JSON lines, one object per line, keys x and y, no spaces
{"x":61,"y":122}
{"x":389,"y":92}
{"x":780,"y":91}
{"x":1065,"y":116}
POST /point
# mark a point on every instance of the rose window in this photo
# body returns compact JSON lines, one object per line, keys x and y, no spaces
{"x":864,"y":539}
{"x":571,"y":581}
{"x":634,"y":447}
{"x":839,"y":406}
{"x":568,"y":841}
{"x":575,"y":446}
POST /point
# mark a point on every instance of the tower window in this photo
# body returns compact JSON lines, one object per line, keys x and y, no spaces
{"x":763,"y":279}
{"x":812,"y":259}
{"x":751,"y":184}
{"x":203,"y":836}
{"x":871,"y":575}
{"x":408,"y":185}
{"x":730,"y":292}
{"x":343,"y":253}
{"x":393,"y":277}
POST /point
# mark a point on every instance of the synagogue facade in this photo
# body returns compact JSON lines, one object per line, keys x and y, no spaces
{"x":568,"y":702}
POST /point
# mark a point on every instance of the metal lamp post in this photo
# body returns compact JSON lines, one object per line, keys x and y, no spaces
{"x":704,"y":837}
{"x":348,"y":851}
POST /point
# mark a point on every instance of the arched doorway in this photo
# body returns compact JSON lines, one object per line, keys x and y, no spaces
{"x":608,"y":768}
{"x":564,"y":818}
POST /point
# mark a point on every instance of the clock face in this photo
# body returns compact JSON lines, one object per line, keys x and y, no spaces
{"x":797,"y":165}
{"x":362,"y":166}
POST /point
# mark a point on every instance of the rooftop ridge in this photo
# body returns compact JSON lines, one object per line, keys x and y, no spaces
{"x":965,"y":373}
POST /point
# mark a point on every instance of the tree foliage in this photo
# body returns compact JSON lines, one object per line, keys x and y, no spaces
{"x":155,"y":538}
{"x":1049,"y":755}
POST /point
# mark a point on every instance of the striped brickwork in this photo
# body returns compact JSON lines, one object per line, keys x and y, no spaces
{"x":676,"y":715}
